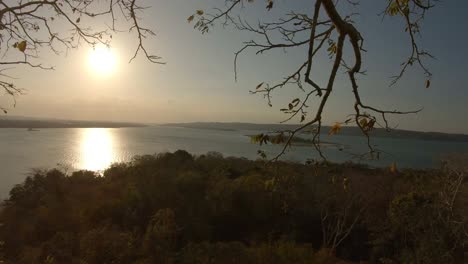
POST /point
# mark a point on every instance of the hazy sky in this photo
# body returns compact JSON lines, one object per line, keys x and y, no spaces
{"x":197,"y":84}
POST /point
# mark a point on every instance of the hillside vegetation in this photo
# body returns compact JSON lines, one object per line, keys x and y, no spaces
{"x":177,"y":208}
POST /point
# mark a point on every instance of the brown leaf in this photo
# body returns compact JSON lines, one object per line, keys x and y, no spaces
{"x":370,"y":124}
{"x":295,"y":102}
{"x":393,"y":168}
{"x":428,"y":83}
{"x":259,"y":85}
{"x":270,"y":5}
{"x":278,"y":139}
{"x":200,"y":12}
{"x":190,"y":18}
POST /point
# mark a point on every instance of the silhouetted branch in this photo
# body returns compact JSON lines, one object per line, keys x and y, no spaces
{"x":28,"y":26}
{"x":326,"y":24}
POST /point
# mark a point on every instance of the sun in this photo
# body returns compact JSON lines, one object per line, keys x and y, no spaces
{"x":102,"y":61}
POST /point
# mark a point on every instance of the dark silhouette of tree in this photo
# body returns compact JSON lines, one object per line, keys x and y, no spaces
{"x":28,"y":27}
{"x":327,"y":29}
{"x":178,"y":208}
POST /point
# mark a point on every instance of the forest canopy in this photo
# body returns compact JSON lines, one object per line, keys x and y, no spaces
{"x":179,"y":208}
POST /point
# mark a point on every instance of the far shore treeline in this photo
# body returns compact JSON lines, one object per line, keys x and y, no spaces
{"x":344,"y":131}
{"x":25,"y":122}
{"x":57,"y":123}
{"x":180,"y":208}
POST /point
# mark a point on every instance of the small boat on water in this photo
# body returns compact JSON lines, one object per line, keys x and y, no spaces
{"x":32,"y":129}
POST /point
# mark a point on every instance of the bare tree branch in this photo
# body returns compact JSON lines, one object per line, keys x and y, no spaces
{"x":325,"y":25}
{"x":28,"y":26}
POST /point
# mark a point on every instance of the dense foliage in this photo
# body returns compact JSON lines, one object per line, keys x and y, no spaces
{"x":177,"y":208}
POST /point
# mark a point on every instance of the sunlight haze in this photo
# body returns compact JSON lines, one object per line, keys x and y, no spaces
{"x":102,"y":61}
{"x":197,"y":83}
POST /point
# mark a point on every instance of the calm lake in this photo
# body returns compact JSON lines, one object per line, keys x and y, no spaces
{"x":97,"y":148}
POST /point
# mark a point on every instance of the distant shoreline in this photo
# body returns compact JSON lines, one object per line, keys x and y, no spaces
{"x":44,"y":124}
{"x":345,"y":131}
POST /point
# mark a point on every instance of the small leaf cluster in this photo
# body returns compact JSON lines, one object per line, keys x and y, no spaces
{"x":262,"y":138}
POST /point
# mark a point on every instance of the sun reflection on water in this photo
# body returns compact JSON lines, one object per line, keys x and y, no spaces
{"x":96,"y":149}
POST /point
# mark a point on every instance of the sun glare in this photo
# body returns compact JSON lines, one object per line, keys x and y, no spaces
{"x":96,"y":149}
{"x":102,"y":61}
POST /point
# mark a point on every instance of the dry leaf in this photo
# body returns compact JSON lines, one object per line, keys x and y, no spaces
{"x":335,"y":129}
{"x":190,"y":18}
{"x":22,"y":46}
{"x":393,"y":168}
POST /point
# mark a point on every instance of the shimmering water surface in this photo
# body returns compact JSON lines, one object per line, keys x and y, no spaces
{"x":97,"y":148}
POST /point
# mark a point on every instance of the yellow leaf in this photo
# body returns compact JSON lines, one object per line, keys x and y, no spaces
{"x":22,"y":46}
{"x":332,"y":48}
{"x":363,"y":122}
{"x":335,"y":129}
{"x":393,"y":168}
{"x":393,"y":9}
{"x":200,"y":12}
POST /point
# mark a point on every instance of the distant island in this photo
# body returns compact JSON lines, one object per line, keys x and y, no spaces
{"x":32,"y":124}
{"x":345,"y":131}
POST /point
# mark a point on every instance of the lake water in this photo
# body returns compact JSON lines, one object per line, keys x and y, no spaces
{"x":97,"y":148}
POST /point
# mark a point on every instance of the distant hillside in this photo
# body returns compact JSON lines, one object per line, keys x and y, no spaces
{"x":24,"y":122}
{"x":346,"y":131}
